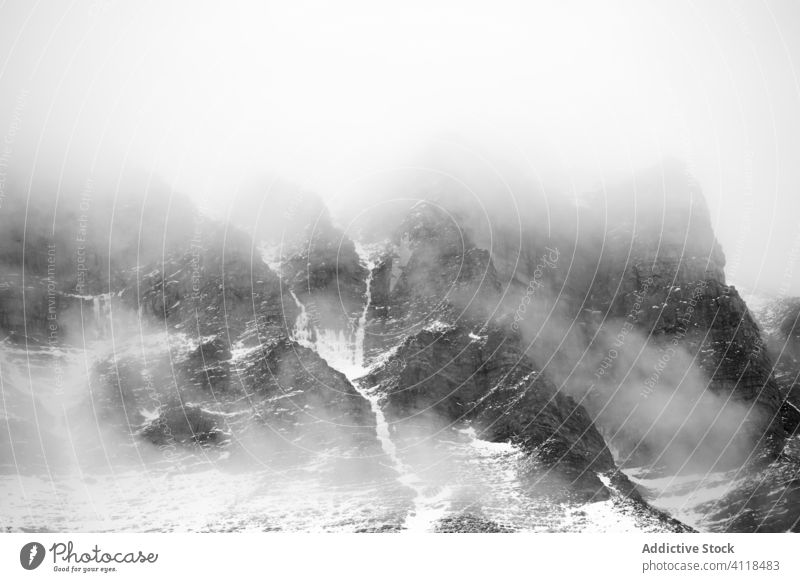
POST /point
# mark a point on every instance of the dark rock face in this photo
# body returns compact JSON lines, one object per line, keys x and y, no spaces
{"x":766,"y":501}
{"x":455,"y":365}
{"x":683,"y":302}
{"x":196,"y":328}
{"x":703,"y":347}
{"x":187,"y":424}
{"x":202,"y":356}
{"x":435,"y":299}
{"x":283,"y":391}
{"x":208,"y":367}
{"x":664,"y":267}
{"x":294,"y":390}
{"x":780,"y":321}
{"x":636,"y":314}
{"x":326,"y":274}
{"x":85,"y":245}
{"x":217,"y":287}
{"x":451,"y":375}
{"x":431,"y":272}
{"x":631,"y":318}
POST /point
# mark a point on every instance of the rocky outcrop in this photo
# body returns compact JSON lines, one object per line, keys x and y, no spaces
{"x":326,"y":274}
{"x":285,"y":392}
{"x":186,"y":424}
{"x":765,"y":501}
{"x":630,"y":315}
{"x":217,"y":287}
{"x":451,"y":375}
{"x":241,"y":363}
{"x":780,"y":322}
{"x":662,"y":264}
{"x":92,"y":243}
{"x":431,"y":271}
{"x":455,"y":363}
{"x":636,"y":315}
{"x":204,"y":358}
{"x":293,"y":391}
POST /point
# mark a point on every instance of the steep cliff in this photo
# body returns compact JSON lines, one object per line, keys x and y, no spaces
{"x":781,"y":330}
{"x":475,"y":387}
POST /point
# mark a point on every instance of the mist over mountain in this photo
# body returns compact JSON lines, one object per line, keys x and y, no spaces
{"x":440,"y":348}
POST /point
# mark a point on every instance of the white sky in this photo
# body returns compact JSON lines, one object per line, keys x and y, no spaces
{"x":208,"y":94}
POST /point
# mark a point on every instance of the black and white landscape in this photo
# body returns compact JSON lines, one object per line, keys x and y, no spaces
{"x":431,"y":367}
{"x":465,"y":334}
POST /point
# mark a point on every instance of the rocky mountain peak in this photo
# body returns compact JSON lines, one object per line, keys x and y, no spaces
{"x":363,"y":362}
{"x":661,"y":211}
{"x":427,"y":222}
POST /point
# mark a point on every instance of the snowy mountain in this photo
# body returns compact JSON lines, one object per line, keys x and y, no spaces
{"x":596,"y":376}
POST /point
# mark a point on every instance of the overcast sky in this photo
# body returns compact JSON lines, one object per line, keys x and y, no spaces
{"x":207,"y":95}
